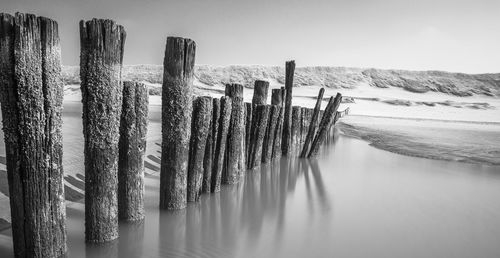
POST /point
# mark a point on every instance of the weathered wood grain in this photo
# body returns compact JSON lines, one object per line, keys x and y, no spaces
{"x":287,"y":120}
{"x":235,"y":152}
{"x":220,"y":146}
{"x":312,"y":124}
{"x":102,"y":43}
{"x":177,"y":107}
{"x":132,"y":148}
{"x":200,"y":128}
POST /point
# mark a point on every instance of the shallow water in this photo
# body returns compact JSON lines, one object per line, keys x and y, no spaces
{"x":471,"y":142}
{"x":353,"y":201}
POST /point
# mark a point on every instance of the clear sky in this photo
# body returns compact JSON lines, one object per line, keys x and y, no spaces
{"x":450,"y":35}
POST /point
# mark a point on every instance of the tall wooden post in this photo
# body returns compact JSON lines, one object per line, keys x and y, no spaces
{"x":326,"y":122}
{"x":287,"y":122}
{"x":31,"y":99}
{"x":277,"y":98}
{"x":200,"y":127}
{"x":101,"y":58}
{"x":260,"y":91}
{"x":220,"y":145}
{"x":312,"y":124}
{"x":209,"y":159}
{"x":235,"y":154}
{"x":132,"y":148}
{"x":177,"y":106}
{"x":258,"y":131}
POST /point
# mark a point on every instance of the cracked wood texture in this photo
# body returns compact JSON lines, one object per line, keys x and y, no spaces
{"x":220,"y":145}
{"x":312,"y":124}
{"x":258,"y":131}
{"x":132,"y":148}
{"x":31,"y":99}
{"x":102,"y":43}
{"x":277,"y":98}
{"x":295,"y":132}
{"x":287,"y":118}
{"x":260,"y":90}
{"x":306,"y":118}
{"x":235,"y":152}
{"x":208,"y":160}
{"x":267,"y":149}
{"x":248,"y":126}
{"x":326,"y":121}
{"x":200,"y":127}
{"x":177,"y":107}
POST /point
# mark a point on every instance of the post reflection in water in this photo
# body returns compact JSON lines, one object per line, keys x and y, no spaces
{"x":102,"y":250}
{"x":131,"y":239}
{"x":241,"y":218}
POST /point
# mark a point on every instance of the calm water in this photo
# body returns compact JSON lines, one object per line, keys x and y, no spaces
{"x":353,"y":201}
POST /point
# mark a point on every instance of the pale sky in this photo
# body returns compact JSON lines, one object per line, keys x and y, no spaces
{"x":449,"y":35}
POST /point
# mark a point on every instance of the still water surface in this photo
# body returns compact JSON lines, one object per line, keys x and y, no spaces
{"x":353,"y":201}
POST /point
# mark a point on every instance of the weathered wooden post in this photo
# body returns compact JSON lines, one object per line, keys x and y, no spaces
{"x":326,"y":122}
{"x":295,"y":131}
{"x":101,"y":58}
{"x":208,"y":160}
{"x":287,"y":122}
{"x":31,"y":95}
{"x":235,"y":153}
{"x":220,"y":145}
{"x":312,"y":125}
{"x":200,"y":127}
{"x":177,"y":95}
{"x":132,"y":148}
{"x":277,"y":98}
{"x":304,"y":126}
{"x":248,"y":125}
{"x":260,"y":91}
{"x":267,"y":149}
{"x":258,"y":131}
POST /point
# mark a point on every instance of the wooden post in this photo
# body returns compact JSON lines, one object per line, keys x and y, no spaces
{"x":287,"y":123}
{"x":312,"y":125}
{"x":177,"y":95}
{"x":295,"y":132}
{"x":248,"y":126}
{"x":258,"y":131}
{"x":267,"y":149}
{"x":328,"y":118}
{"x":277,"y":99}
{"x":200,"y":127}
{"x":132,"y":148}
{"x":260,"y":91}
{"x":305,"y":119}
{"x":220,"y":146}
{"x":235,"y":154}
{"x":101,"y":58}
{"x":208,"y":161}
{"x":31,"y":100}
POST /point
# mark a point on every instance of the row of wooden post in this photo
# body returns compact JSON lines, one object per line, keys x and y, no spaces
{"x":206,"y":141}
